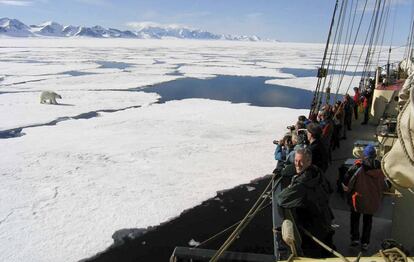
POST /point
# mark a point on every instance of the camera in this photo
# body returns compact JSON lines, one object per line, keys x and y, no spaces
{"x":276,"y":142}
{"x":291,"y":128}
{"x":303,"y":137}
{"x":302,"y":130}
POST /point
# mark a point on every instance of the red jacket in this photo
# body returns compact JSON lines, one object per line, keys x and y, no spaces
{"x":365,"y":102}
{"x":356,"y":97}
{"x":366,"y":190}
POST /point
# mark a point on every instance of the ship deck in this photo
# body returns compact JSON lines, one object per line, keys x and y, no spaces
{"x":382,"y":220}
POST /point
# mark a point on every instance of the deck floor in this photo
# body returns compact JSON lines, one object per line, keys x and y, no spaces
{"x":382,"y":220}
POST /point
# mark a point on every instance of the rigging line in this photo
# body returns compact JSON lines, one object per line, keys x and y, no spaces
{"x":383,"y":32}
{"x":349,"y":55}
{"x":410,"y":46}
{"x":396,"y":47}
{"x":320,"y":96}
{"x":369,"y":37}
{"x":363,"y":48}
{"x":338,"y":68}
{"x":335,"y":67}
{"x":409,"y":55}
{"x":381,"y":26}
{"x":230,"y":227}
{"x":338,"y":32}
{"x":323,"y":61}
{"x":365,"y":70}
{"x":392,"y":38}
{"x":372,"y":35}
{"x":246,"y":220}
{"x":384,"y":29}
{"x":348,"y":35}
{"x":371,"y":43}
{"x":352,"y":49}
{"x":407,"y":45}
{"x":334,"y":40}
{"x":410,"y":33}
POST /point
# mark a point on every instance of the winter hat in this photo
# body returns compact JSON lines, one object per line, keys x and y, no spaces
{"x":369,"y":151}
{"x":315,"y":130}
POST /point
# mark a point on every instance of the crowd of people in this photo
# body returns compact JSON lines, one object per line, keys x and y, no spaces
{"x":303,"y":156}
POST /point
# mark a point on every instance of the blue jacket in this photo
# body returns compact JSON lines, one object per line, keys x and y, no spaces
{"x":281,"y":152}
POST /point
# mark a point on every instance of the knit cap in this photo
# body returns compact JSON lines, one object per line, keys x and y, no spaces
{"x":369,"y":151}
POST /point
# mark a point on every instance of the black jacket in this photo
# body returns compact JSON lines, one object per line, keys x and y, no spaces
{"x":308,"y":193}
{"x":319,"y":154}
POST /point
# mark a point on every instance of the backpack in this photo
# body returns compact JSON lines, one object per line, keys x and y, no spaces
{"x":365,"y":190}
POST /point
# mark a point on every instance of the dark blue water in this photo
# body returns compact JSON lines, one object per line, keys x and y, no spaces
{"x":17,"y":132}
{"x":112,"y":64}
{"x":300,"y":72}
{"x":174,"y":73}
{"x":76,"y":73}
{"x":236,"y":89}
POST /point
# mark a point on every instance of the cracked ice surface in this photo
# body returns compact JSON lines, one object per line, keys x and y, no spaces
{"x":71,"y":186}
{"x":18,"y":110}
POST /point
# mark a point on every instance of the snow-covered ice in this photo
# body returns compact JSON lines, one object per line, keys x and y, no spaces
{"x":23,"y":109}
{"x":65,"y":189}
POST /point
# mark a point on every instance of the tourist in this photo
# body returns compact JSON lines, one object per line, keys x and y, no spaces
{"x":348,"y":110}
{"x":338,"y":118}
{"x":356,"y":102}
{"x":366,"y":103}
{"x":307,"y":199}
{"x":364,"y":184}
{"x":319,"y":152}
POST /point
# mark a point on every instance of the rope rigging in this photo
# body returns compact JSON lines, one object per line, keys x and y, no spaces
{"x":345,"y":45}
{"x":348,"y":53}
{"x":392,"y":37}
{"x":338,"y":32}
{"x":362,"y":52}
{"x":322,"y":72}
{"x":380,"y":32}
{"x":409,"y":47}
{"x":338,"y":63}
{"x":342,"y":48}
{"x":365,"y":71}
{"x":246,"y":220}
{"x":383,"y":36}
{"x":230,"y":227}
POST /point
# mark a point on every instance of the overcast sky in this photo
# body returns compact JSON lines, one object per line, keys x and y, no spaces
{"x":286,"y":20}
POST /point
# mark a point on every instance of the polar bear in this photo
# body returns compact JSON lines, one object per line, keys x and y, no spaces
{"x":49,"y":97}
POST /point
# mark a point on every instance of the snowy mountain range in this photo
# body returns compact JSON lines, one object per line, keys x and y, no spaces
{"x":15,"y":28}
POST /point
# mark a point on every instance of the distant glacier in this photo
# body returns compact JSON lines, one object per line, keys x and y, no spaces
{"x":15,"y":28}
